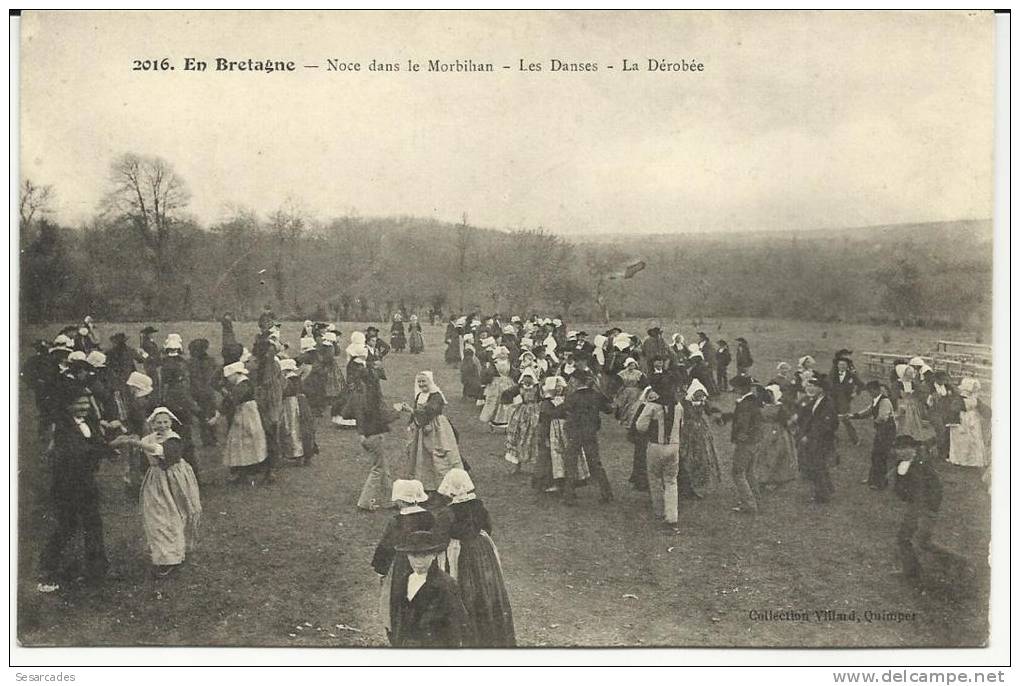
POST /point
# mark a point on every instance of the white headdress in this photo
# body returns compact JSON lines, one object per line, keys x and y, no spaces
{"x":408,"y":491}
{"x":140,"y":382}
{"x":457,"y":484}
{"x":173,"y":342}
{"x":162,"y":410}
{"x":694,"y":388}
{"x":235,"y":368}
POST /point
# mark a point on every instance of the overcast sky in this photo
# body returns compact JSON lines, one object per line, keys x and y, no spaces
{"x":799,"y":121}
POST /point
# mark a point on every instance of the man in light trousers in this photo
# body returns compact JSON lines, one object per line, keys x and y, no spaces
{"x":661,"y":420}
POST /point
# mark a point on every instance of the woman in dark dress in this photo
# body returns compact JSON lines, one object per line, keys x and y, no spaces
{"x":454,"y":330}
{"x":699,"y":463}
{"x":398,"y":341}
{"x":472,"y":559}
{"x":392,"y":568}
{"x":415,"y":338}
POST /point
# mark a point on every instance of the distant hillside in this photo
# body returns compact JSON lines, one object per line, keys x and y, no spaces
{"x":367,"y":267}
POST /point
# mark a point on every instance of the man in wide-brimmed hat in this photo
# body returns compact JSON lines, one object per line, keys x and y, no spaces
{"x":430,"y":613}
{"x":150,"y":353}
{"x":653,"y":346}
{"x":77,"y":449}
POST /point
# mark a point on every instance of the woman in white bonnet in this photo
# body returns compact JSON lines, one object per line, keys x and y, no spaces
{"x":699,"y":463}
{"x":473,"y":560}
{"x":393,"y":569}
{"x":432,"y":450}
{"x":966,"y":439}
{"x":171,"y":507}
{"x":245,"y":447}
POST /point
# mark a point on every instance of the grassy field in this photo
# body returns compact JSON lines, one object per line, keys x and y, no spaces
{"x":288,"y":564}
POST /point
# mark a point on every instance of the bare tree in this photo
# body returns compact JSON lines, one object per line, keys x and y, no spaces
{"x":462,"y":244}
{"x":147,"y":191}
{"x":286,"y":225}
{"x":35,"y":202}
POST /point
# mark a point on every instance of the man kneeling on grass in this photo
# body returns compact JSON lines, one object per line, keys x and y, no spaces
{"x":661,"y":419}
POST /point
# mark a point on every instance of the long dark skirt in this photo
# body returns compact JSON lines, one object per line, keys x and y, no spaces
{"x":453,"y":356}
{"x":480,"y":578}
{"x":416,"y":342}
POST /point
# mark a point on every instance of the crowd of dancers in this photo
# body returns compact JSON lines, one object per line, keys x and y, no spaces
{"x":543,"y":386}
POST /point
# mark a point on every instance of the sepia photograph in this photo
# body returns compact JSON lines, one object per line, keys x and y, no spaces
{"x":505,"y":329}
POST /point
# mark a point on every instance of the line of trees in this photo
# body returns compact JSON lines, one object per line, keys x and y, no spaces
{"x":143,"y":256}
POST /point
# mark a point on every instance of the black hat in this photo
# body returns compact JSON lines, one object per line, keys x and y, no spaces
{"x":421,"y":542}
{"x":843,"y":353}
{"x":906,"y":441}
{"x":149,"y":330}
{"x":741,"y":340}
{"x":874,"y":386}
{"x":372,"y":329}
{"x":584,"y":349}
{"x":198,"y":346}
{"x":741,"y":381}
{"x":654,"y":330}
{"x":582,"y":333}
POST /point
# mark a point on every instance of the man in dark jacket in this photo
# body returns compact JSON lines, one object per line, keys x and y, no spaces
{"x":722,"y":362}
{"x":120,"y":359}
{"x":78,"y":447}
{"x":919,"y":486}
{"x":944,"y":405}
{"x":581,"y":410}
{"x":844,"y":387}
{"x":151,"y":356}
{"x":430,"y":612}
{"x":818,"y":437}
{"x":745,"y":435}
{"x":202,"y":375}
{"x":653,"y":347}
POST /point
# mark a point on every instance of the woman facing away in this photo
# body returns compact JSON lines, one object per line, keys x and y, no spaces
{"x":473,"y":560}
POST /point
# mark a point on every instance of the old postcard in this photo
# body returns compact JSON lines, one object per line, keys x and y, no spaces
{"x":506,"y":329}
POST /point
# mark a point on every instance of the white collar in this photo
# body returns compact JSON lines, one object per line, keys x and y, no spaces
{"x":750,"y":394}
{"x":414,"y":583}
{"x":877,"y":400}
{"x":412,"y":509}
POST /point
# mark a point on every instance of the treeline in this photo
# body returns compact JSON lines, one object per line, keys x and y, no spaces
{"x":143,"y":257}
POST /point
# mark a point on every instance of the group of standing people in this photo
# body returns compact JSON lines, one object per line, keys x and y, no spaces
{"x":542,"y":386}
